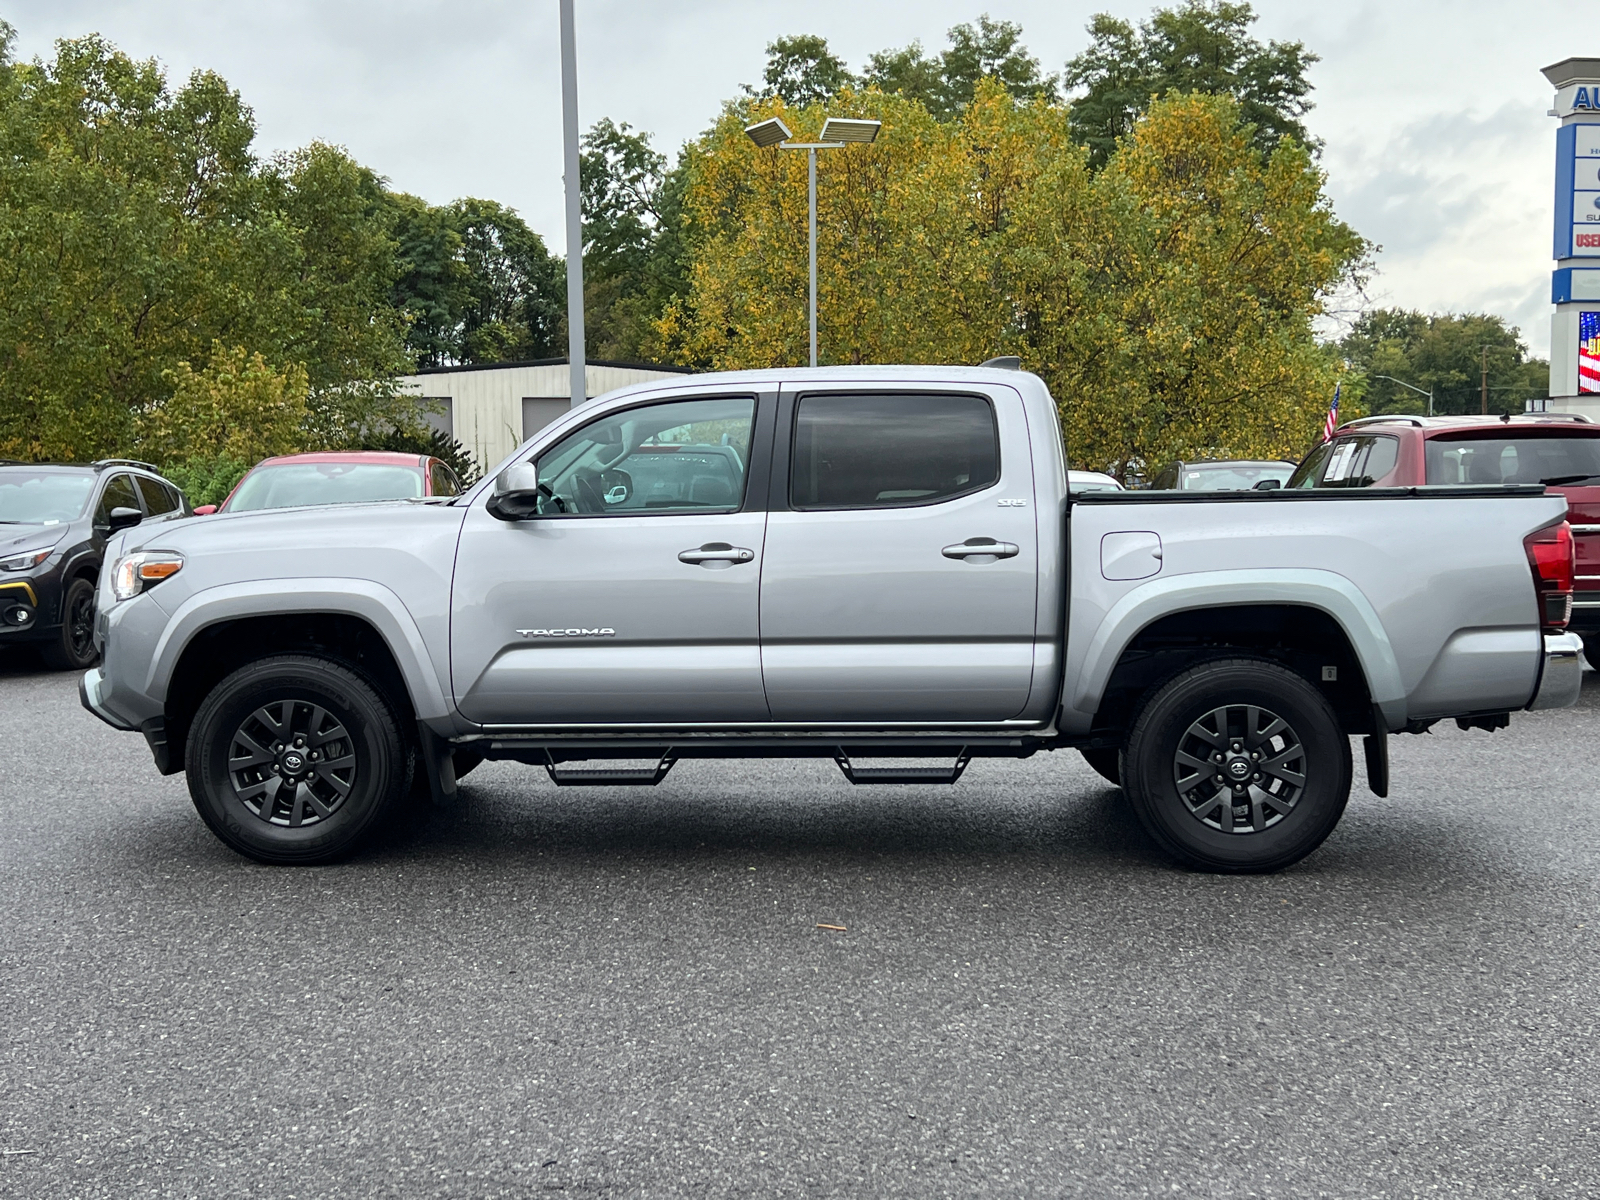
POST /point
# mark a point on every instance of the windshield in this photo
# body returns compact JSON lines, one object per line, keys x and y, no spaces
{"x":1233,"y":477}
{"x":1502,"y":460}
{"x":42,"y":497}
{"x":293,"y":484}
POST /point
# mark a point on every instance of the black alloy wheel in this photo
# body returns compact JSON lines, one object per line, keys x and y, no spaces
{"x":294,"y":759}
{"x":1240,"y":769}
{"x":73,"y":649}
{"x":1237,"y":765}
{"x":292,"y":763}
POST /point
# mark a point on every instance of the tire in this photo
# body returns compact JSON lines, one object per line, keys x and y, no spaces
{"x":73,"y":648}
{"x":1106,"y":762}
{"x":1591,"y":651}
{"x":253,"y":717}
{"x":1171,"y":770}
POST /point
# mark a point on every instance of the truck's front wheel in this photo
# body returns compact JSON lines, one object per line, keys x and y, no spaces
{"x":293,"y":759}
{"x":1237,"y":765}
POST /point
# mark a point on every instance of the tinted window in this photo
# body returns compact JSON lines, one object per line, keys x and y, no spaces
{"x":30,"y":497}
{"x":1348,"y":462}
{"x":293,"y":484}
{"x":683,"y":456}
{"x":157,"y":499}
{"x":119,"y":493}
{"x":1520,"y":459}
{"x":444,"y":481}
{"x":863,"y":451}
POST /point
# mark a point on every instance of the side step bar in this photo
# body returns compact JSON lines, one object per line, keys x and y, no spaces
{"x":859,"y":775}
{"x":609,"y":776}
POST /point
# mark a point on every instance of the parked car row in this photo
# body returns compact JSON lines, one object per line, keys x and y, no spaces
{"x":55,"y":519}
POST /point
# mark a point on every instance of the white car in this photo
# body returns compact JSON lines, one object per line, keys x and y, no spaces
{"x":1091,"y":481}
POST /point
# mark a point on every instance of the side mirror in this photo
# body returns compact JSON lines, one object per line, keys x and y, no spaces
{"x":1266,"y":485}
{"x":515,"y":496}
{"x":123,"y":518}
{"x":205,"y":510}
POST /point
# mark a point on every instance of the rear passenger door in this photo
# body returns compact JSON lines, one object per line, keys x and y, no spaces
{"x":901,"y":568}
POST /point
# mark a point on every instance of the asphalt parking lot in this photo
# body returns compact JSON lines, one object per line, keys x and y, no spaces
{"x":625,"y":993}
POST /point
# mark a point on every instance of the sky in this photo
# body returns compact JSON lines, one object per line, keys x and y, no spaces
{"x":1437,"y":146}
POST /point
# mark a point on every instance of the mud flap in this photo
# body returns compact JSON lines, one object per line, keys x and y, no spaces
{"x":437,"y":764}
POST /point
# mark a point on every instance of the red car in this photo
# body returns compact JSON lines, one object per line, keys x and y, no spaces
{"x":1559,"y":450}
{"x":337,"y":477}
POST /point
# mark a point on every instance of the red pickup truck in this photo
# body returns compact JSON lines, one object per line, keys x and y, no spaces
{"x":1559,"y":450}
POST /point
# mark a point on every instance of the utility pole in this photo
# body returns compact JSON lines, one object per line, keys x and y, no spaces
{"x":569,"y":130}
{"x":1485,"y":363}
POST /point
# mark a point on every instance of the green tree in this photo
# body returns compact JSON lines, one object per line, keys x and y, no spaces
{"x":802,"y":70}
{"x":1200,"y":46}
{"x":1444,"y":352}
{"x":475,"y":283}
{"x":138,"y":231}
{"x":986,"y":49}
{"x":633,"y":257}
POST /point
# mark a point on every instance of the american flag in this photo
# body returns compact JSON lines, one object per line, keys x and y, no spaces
{"x":1332,"y":422}
{"x":1589,"y":352}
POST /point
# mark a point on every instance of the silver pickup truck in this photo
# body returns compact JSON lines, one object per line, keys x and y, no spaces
{"x":875,"y":565}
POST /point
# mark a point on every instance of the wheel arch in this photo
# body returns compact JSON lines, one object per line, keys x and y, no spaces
{"x":213,"y":634}
{"x":1304,"y":623}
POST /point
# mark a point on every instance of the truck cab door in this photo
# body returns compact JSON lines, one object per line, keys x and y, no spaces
{"x":901,"y":575}
{"x":633,"y":596}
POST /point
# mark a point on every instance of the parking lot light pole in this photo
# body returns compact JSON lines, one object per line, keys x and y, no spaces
{"x":1414,"y":388}
{"x":837,"y":132}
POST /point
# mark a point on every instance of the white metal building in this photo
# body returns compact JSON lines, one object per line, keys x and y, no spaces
{"x":492,"y":408}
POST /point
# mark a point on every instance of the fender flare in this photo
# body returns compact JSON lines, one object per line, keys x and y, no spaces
{"x":1326,"y":591}
{"x":372,"y":602}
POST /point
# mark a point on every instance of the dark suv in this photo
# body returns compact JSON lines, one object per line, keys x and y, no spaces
{"x":54,"y":522}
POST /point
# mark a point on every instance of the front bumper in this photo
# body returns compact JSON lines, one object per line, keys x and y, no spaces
{"x":1561,"y":675}
{"x":89,"y":695}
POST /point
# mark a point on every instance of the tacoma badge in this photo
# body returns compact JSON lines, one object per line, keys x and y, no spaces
{"x":567,"y":633}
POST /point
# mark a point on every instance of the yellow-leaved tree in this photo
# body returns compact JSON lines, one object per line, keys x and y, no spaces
{"x":221,"y":419}
{"x":1167,"y":299}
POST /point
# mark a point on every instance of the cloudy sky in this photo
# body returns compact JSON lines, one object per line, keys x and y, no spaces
{"x":1437,"y":146}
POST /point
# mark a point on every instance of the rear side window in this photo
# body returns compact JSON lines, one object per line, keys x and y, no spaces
{"x":1348,"y":462}
{"x":1552,"y":458}
{"x":867,"y":451}
{"x":156,"y":498}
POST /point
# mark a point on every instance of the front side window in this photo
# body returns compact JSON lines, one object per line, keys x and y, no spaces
{"x":119,"y":493}
{"x":681,"y":456}
{"x":1348,"y":462}
{"x":876,"y":451}
{"x":1550,"y":459}
{"x":444,"y":481}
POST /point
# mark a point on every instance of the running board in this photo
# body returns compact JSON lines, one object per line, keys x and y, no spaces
{"x":609,"y":776}
{"x":859,"y":775}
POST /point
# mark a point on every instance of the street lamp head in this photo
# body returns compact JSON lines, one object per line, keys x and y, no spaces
{"x":849,"y":129}
{"x":769,"y":132}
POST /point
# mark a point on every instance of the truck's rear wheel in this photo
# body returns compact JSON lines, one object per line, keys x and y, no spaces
{"x":1237,"y":765}
{"x":1591,"y":649}
{"x":293,"y":759}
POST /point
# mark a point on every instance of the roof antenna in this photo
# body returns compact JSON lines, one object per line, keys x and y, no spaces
{"x":1005,"y":362}
{"x":1505,"y":418}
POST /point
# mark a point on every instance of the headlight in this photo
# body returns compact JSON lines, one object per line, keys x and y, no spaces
{"x":135,"y":572}
{"x":25,"y":562}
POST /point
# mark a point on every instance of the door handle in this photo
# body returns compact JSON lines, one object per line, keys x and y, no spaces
{"x":717,"y":552}
{"x":980,"y":547}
